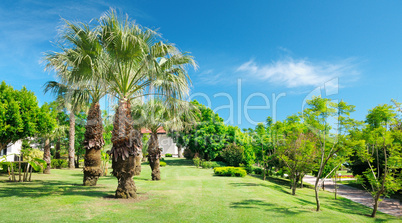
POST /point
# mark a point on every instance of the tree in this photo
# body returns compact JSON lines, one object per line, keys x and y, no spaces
{"x":380,"y":148}
{"x":298,"y":152}
{"x":47,"y":124}
{"x":155,"y":115}
{"x":316,"y":117}
{"x":138,"y":66}
{"x":18,"y":114}
{"x":81,"y":66}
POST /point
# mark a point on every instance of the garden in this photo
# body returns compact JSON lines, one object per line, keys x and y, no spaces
{"x":79,"y":162}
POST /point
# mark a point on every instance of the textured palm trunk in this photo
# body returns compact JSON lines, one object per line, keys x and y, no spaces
{"x":180,"y":152}
{"x":46,"y":156}
{"x":154,"y":154}
{"x":58,"y":146}
{"x":93,"y":144}
{"x":138,"y":158}
{"x":124,"y":150}
{"x":71,"y":139}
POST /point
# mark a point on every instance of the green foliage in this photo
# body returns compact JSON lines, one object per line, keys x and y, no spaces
{"x":19,"y":114}
{"x":207,"y":164}
{"x":59,"y":163}
{"x":197,"y":162}
{"x":161,"y":163}
{"x":188,"y":154}
{"x":258,"y":170}
{"x":168,"y":155}
{"x":230,"y":171}
{"x":233,"y":154}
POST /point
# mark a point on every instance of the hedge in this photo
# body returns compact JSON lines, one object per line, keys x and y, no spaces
{"x":230,"y":171}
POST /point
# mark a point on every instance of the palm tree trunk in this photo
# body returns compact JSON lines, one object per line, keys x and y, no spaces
{"x":46,"y":156}
{"x":58,"y":145}
{"x":124,"y":151}
{"x":154,"y":154}
{"x":93,"y":143}
{"x":71,"y":149}
{"x":138,"y":159}
{"x":180,"y":152}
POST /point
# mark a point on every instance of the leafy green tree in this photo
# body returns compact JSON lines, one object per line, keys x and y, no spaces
{"x":298,"y":152}
{"x":18,"y":114}
{"x":47,"y":124}
{"x":316,"y":116}
{"x":380,"y":148}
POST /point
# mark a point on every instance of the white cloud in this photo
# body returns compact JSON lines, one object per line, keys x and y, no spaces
{"x":293,"y":73}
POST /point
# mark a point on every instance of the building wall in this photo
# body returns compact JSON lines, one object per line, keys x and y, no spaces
{"x":12,"y":150}
{"x":167,"y":145}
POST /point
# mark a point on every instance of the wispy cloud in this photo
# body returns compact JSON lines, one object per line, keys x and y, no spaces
{"x":211,"y":77}
{"x":293,"y":73}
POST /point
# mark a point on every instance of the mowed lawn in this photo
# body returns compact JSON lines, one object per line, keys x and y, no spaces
{"x":185,"y":194}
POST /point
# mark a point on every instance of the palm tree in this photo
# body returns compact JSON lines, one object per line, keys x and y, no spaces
{"x":82,"y":68}
{"x":137,"y":65}
{"x":172,"y":115}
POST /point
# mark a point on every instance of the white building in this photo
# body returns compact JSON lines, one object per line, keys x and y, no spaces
{"x":165,"y":142}
{"x":12,"y":151}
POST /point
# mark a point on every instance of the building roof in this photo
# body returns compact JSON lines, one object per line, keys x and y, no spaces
{"x":160,"y":130}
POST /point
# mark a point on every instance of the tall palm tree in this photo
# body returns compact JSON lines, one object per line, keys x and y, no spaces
{"x":156,"y":114}
{"x":82,"y":66}
{"x":137,"y":61}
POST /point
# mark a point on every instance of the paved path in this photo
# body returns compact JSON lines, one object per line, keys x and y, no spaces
{"x":388,"y":205}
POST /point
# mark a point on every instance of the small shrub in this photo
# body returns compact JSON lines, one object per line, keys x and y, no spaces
{"x":162,"y":159}
{"x":258,"y":170}
{"x":207,"y":164}
{"x":233,"y":154}
{"x":58,"y":163}
{"x":218,"y":164}
{"x":197,"y":162}
{"x":280,"y":173}
{"x":188,"y":154}
{"x":249,"y":169}
{"x":230,"y":171}
{"x":168,"y":155}
{"x":161,"y":163}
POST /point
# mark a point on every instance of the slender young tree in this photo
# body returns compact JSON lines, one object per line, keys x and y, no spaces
{"x":316,"y":117}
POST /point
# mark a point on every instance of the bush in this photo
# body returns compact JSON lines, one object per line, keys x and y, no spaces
{"x":197,"y":162}
{"x":188,"y":154}
{"x":249,"y":169}
{"x":206,"y":164}
{"x":280,"y":173}
{"x":258,"y":170}
{"x":161,"y":163}
{"x":218,"y":164}
{"x":230,"y":171}
{"x":58,"y":163}
{"x":168,"y":155}
{"x":233,"y":154}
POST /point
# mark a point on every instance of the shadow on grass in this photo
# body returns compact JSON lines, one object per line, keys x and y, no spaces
{"x":275,"y":187}
{"x":178,"y":162}
{"x":258,"y":204}
{"x":40,"y":188}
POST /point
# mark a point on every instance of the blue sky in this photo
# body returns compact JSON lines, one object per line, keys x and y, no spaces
{"x":249,"y":53}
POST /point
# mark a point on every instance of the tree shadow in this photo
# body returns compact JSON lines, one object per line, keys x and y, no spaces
{"x":40,"y":188}
{"x":275,"y":187}
{"x":259,"y":204}
{"x":178,"y":162}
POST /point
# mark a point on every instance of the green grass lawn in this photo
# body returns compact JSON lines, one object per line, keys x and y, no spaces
{"x":185,"y":194}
